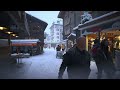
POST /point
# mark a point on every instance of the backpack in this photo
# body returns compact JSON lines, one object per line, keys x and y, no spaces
{"x":94,"y":51}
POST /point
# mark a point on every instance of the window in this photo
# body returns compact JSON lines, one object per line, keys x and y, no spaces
{"x":57,"y":37}
{"x":60,"y":30}
{"x":52,"y":38}
{"x":57,"y":29}
{"x":57,"y":33}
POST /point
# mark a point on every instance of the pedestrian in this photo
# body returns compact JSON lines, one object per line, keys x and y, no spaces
{"x":96,"y":55}
{"x":103,"y":59}
{"x":63,"y":47}
{"x":77,"y":61}
{"x":58,"y":49}
{"x":109,"y":67}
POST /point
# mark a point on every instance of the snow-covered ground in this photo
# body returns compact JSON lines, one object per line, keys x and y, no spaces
{"x":44,"y":66}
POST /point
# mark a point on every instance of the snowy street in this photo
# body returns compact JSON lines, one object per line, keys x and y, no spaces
{"x":44,"y":66}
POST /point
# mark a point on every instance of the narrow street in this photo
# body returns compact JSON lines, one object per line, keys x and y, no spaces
{"x":44,"y":66}
{"x":25,"y":33}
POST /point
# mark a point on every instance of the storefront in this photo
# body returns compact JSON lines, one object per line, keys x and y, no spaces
{"x":113,"y":36}
{"x":9,"y":29}
{"x":71,"y":40}
{"x":106,"y":26}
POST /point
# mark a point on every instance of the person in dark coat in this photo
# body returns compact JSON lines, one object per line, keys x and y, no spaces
{"x":57,"y":50}
{"x":77,"y":61}
{"x":103,"y":60}
{"x":96,"y":54}
{"x":108,"y":63}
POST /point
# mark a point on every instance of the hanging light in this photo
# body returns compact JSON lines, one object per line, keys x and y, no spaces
{"x":16,"y":36}
{"x":13,"y":34}
{"x":2,"y":28}
{"x":9,"y":32}
{"x":119,"y":37}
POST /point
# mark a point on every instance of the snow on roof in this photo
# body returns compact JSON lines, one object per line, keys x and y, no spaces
{"x":99,"y":17}
{"x":86,"y":33}
{"x":71,"y":34}
{"x":25,"y":40}
{"x":77,"y":26}
{"x":80,"y":24}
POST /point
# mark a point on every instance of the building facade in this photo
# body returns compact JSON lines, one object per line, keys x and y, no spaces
{"x":56,"y":33}
{"x":12,"y":23}
{"x":85,"y":20}
{"x":73,"y":19}
{"x":70,"y":20}
{"x":96,"y":24}
{"x":36,"y":29}
{"x":104,"y":25}
{"x":47,"y":41}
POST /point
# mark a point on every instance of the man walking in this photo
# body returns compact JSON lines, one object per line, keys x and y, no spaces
{"x":77,"y":61}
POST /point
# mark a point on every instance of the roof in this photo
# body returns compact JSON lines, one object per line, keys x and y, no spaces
{"x":86,"y":33}
{"x":34,"y":19}
{"x":72,"y":34}
{"x":98,"y":20}
{"x":61,"y":14}
{"x":25,"y":40}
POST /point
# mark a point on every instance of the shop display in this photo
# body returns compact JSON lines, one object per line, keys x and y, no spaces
{"x":117,"y":42}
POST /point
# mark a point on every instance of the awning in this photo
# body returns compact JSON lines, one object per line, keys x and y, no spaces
{"x":23,"y":44}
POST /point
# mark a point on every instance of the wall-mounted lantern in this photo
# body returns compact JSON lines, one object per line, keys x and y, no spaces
{"x":3,"y":28}
{"x":9,"y":32}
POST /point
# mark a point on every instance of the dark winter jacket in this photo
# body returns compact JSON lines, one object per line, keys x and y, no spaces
{"x":94,"y":50}
{"x":77,"y":63}
{"x":58,"y":48}
{"x":105,"y":60}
